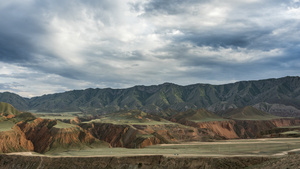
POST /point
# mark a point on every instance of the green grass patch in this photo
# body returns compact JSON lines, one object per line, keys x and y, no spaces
{"x":120,"y":120}
{"x":209,"y":119}
{"x":58,"y":116}
{"x":295,"y":132}
{"x":291,"y":127}
{"x":63,"y":125}
{"x":6,"y":125}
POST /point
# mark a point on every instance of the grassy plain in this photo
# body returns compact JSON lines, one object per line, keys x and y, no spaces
{"x":58,"y":116}
{"x":245,"y":147}
{"x":132,"y":118}
{"x":121,"y":120}
{"x":63,"y":125}
{"x":209,"y":119}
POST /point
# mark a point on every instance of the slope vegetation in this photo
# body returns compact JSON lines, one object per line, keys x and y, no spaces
{"x":7,"y":109}
{"x":248,"y":113}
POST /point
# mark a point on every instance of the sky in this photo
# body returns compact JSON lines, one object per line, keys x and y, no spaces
{"x":54,"y":46}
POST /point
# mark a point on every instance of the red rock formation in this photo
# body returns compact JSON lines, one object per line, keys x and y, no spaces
{"x":149,"y":141}
{"x":286,"y":122}
{"x":76,"y":120}
{"x":224,"y":129}
{"x":44,"y":136}
{"x":14,"y":141}
{"x":38,"y":132}
{"x":115,"y":135}
{"x":10,"y":116}
{"x":231,"y":129}
{"x":139,"y":136}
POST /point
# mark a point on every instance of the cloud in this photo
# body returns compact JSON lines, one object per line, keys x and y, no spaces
{"x":52,"y":46}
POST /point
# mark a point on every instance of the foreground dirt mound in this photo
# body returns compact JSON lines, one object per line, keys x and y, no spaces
{"x":290,"y":161}
{"x":145,"y":162}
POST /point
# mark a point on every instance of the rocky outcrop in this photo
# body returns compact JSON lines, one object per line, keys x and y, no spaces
{"x":286,"y":122}
{"x":232,"y":129}
{"x":14,"y":141}
{"x":38,"y":132}
{"x":115,"y":135}
{"x":223,"y":129}
{"x":124,"y":135}
{"x":139,"y":136}
{"x":41,"y":135}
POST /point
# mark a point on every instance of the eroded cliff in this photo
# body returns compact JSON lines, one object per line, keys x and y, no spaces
{"x":232,"y":129}
{"x":41,"y":135}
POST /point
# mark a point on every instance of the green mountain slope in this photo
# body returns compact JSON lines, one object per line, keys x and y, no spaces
{"x":8,"y":109}
{"x":17,"y":101}
{"x":285,"y":91}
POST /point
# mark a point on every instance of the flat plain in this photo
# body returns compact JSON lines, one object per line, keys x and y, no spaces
{"x":239,"y":147}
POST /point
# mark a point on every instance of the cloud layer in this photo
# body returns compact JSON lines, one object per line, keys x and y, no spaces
{"x":53,"y":46}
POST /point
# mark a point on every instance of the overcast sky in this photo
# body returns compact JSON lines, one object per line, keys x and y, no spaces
{"x":53,"y":46}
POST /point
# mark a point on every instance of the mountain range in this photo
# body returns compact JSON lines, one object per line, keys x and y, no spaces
{"x":277,"y":96}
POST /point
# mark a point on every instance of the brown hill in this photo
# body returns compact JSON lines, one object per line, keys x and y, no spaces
{"x":139,"y":136}
{"x":248,"y":113}
{"x":200,"y":115}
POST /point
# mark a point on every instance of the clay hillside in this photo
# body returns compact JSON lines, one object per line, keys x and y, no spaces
{"x":53,"y":133}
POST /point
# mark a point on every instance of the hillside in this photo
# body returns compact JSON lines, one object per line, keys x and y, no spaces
{"x":283,"y":91}
{"x":248,"y":113}
{"x":7,"y":109}
{"x":133,"y":117}
{"x":200,"y":115}
{"x":8,"y":112}
{"x":19,"y":102}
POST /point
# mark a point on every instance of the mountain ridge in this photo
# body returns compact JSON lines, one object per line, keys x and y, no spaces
{"x":156,"y":98}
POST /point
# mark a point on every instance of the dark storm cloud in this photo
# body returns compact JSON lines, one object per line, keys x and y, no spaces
{"x":17,"y":30}
{"x":170,"y":7}
{"x":225,"y":39}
